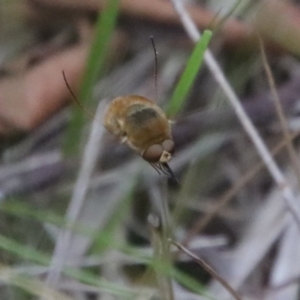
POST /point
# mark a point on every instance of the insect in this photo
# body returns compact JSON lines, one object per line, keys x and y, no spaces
{"x":142,"y":125}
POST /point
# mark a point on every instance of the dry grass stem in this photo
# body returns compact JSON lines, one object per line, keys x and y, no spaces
{"x":200,"y":224}
{"x":285,"y":189}
{"x":90,"y":156}
{"x":161,"y":257}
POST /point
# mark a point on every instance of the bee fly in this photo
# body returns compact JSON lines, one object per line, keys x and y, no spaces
{"x":142,"y":125}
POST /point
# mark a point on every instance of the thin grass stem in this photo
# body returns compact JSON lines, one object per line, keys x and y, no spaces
{"x":274,"y":170}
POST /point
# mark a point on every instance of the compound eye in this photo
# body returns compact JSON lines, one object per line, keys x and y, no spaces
{"x":153,"y":153}
{"x":168,"y":146}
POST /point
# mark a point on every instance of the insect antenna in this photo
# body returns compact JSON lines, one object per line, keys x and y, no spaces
{"x":155,"y":66}
{"x":75,"y":98}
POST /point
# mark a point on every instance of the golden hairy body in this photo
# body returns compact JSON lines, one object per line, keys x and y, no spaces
{"x":143,"y":125}
{"x":137,"y":121}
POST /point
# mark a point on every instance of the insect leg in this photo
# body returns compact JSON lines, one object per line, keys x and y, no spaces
{"x":156,"y":168}
{"x":167,"y":170}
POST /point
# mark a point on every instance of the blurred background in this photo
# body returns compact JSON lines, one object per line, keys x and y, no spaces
{"x":75,"y":203}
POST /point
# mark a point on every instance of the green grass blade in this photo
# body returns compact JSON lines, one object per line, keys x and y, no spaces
{"x":94,"y":68}
{"x":31,"y":255}
{"x":22,"y":251}
{"x":189,"y":74}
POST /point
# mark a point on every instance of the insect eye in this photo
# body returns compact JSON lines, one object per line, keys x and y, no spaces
{"x":153,"y":153}
{"x":169,"y":146}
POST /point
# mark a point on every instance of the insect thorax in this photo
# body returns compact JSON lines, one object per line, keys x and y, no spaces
{"x":140,"y":115}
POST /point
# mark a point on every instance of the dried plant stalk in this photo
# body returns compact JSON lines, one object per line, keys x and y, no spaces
{"x":285,"y":189}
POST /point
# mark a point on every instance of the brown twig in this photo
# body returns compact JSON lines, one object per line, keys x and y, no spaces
{"x":209,"y":269}
{"x":279,"y":110}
